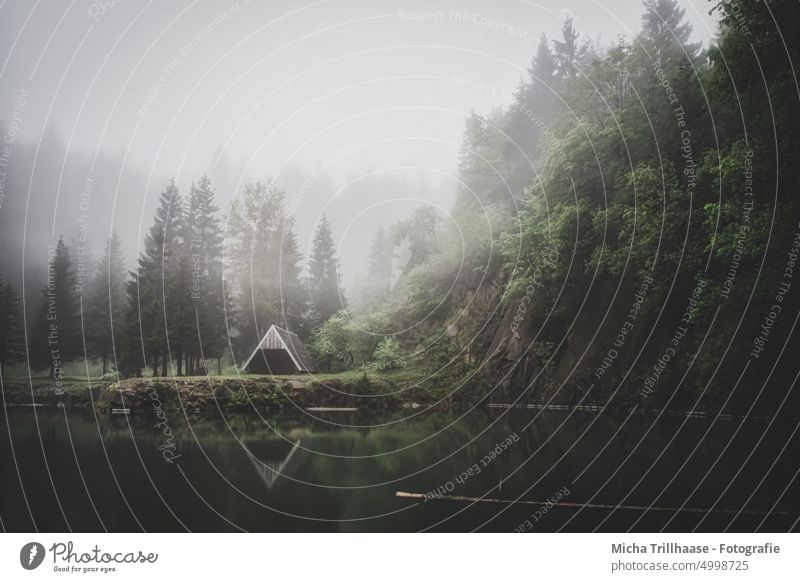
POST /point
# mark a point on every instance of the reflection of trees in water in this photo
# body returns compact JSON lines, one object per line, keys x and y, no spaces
{"x":270,"y":468}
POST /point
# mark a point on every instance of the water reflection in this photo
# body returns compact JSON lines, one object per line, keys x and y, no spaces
{"x":73,"y":469}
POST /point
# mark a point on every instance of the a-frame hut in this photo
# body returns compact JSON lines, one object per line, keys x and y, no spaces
{"x":279,"y":352}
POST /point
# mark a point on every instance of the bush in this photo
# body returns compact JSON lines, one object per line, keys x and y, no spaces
{"x":388,"y":355}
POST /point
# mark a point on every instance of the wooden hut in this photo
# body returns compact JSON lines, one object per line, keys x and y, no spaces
{"x":279,"y":352}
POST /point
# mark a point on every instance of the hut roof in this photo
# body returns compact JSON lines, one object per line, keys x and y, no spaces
{"x":278,"y":338}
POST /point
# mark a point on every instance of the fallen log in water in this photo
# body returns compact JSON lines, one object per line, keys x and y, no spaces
{"x":573,"y":505}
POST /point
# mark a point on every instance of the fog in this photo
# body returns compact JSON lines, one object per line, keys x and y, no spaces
{"x":355,"y":109}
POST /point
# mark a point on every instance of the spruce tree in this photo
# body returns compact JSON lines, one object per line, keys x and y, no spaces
{"x":56,"y":333}
{"x":254,"y":219}
{"x":204,"y":239}
{"x":12,"y":339}
{"x":323,"y":270}
{"x":289,"y":292}
{"x":529,"y":115}
{"x":154,"y":281}
{"x":380,"y":259}
{"x":107,"y":302}
{"x":664,"y":20}
{"x":569,"y":52}
{"x":483,"y":165}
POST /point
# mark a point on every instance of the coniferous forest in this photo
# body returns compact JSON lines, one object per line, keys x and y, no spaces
{"x":627,"y":193}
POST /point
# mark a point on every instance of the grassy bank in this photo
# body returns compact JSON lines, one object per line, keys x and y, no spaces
{"x":380,"y":389}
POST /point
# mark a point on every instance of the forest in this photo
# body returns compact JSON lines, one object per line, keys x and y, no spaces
{"x":625,"y":232}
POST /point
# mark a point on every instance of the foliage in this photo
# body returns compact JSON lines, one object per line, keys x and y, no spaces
{"x":388,"y":354}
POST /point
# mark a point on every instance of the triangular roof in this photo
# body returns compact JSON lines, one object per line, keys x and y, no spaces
{"x":279,"y":338}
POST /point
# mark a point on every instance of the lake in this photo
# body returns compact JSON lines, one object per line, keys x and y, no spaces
{"x":340,"y":471}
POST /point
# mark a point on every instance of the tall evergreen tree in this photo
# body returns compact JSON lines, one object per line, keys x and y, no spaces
{"x":483,"y":164}
{"x":570,"y":53}
{"x":420,"y":229}
{"x":380,"y":260}
{"x":375,"y":287}
{"x":12,"y":339}
{"x":204,"y":239}
{"x":252,"y":224}
{"x":529,"y":115}
{"x":56,"y":332}
{"x":323,"y":271}
{"x":154,"y":281}
{"x":665,"y":18}
{"x":107,"y":301}
{"x":290,"y":303}
{"x":263,"y":266}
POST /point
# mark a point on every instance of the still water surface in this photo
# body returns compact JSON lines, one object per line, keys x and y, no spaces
{"x":340,"y":471}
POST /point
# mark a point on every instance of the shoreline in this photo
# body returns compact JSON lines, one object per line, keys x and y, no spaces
{"x":198,"y":394}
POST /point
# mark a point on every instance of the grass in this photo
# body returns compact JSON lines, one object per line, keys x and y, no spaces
{"x":75,"y":378}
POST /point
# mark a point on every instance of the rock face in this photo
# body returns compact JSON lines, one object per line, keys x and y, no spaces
{"x":497,"y":335}
{"x":507,"y":345}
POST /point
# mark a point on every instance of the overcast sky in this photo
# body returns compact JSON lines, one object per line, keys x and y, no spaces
{"x":359,"y":101}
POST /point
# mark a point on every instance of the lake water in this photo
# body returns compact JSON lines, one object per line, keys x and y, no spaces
{"x":340,"y":471}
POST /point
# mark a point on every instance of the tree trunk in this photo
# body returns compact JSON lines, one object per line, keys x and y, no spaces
{"x":105,"y":363}
{"x":179,"y":357}
{"x":219,"y":365}
{"x":155,"y":364}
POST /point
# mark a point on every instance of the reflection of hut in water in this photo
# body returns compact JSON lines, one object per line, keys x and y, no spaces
{"x":274,"y":460}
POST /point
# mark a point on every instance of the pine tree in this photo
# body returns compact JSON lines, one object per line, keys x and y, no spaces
{"x":323,"y":272}
{"x":420,"y":229}
{"x":153,"y":285}
{"x":664,"y":19}
{"x":380,"y":260}
{"x":375,"y":287}
{"x":663,"y":53}
{"x":529,"y":115}
{"x":107,"y":302}
{"x":570,"y":52}
{"x":665,"y":38}
{"x":204,"y":239}
{"x":290,"y":302}
{"x":255,"y":217}
{"x":12,"y":339}
{"x":56,"y":334}
{"x":130,"y":355}
{"x":483,"y":165}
